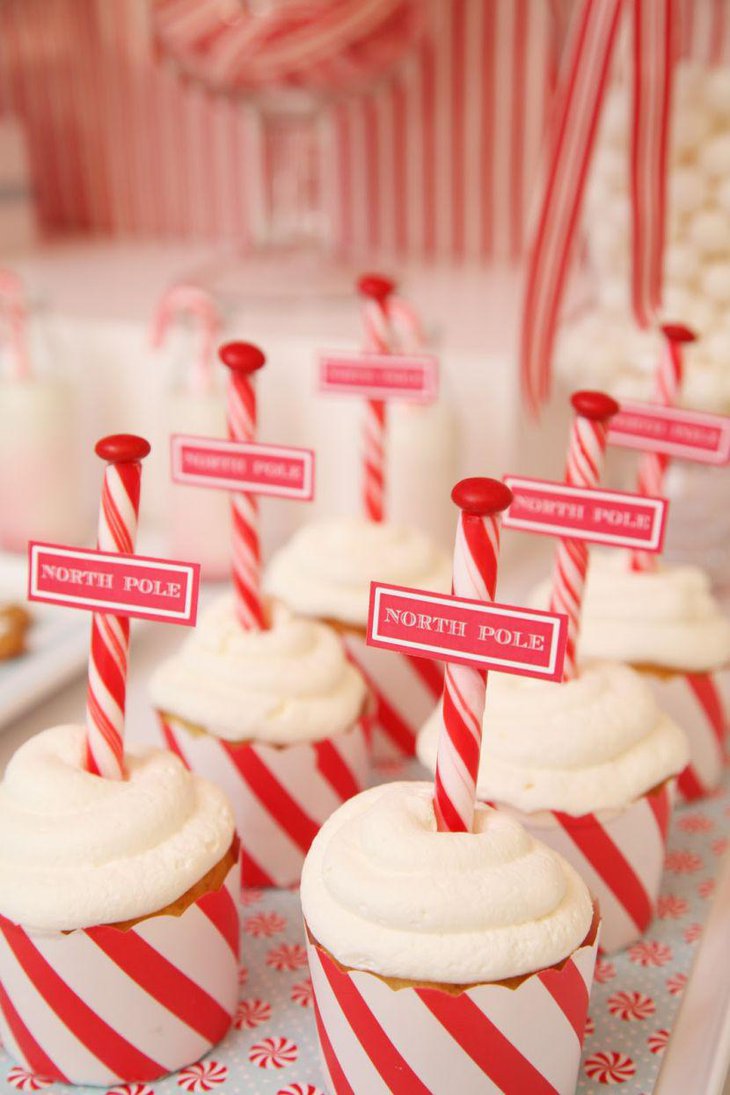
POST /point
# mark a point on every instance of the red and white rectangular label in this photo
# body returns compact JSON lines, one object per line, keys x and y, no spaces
{"x":122,"y":585}
{"x":689,"y":435}
{"x":411,"y":377}
{"x":279,"y":470}
{"x":611,"y":517}
{"x":456,"y":629}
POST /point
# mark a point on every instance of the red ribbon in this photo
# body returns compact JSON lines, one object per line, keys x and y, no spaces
{"x":580,"y":98}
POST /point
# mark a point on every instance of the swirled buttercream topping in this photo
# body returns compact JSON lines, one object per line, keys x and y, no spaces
{"x":385,"y":892}
{"x":597,"y":742}
{"x":288,"y":683}
{"x":666,"y":617}
{"x":326,"y":568}
{"x":77,"y":850}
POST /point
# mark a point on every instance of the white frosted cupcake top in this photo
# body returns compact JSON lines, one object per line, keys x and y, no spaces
{"x":77,"y":850}
{"x":597,"y":742}
{"x":326,"y":568}
{"x":666,"y":617}
{"x":288,"y":683}
{"x":385,"y":892}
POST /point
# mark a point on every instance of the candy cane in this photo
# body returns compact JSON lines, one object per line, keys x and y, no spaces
{"x":12,"y":300}
{"x":583,"y":469}
{"x":475,"y":576}
{"x":243,"y":360}
{"x":108,"y":657}
{"x":668,"y":384}
{"x":188,"y":298}
{"x":378,"y":339}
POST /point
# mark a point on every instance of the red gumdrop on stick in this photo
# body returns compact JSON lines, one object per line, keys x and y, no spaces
{"x":594,"y":405}
{"x":677,"y":332}
{"x":242,"y":357}
{"x":481,"y":497}
{"x":122,"y":448}
{"x":375,"y":286}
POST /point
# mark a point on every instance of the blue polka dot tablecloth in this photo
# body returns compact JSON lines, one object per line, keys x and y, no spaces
{"x":272,"y":1049}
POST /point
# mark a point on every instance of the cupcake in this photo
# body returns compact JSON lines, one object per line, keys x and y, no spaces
{"x":118,"y":921}
{"x":588,"y":766}
{"x":325,"y":572}
{"x":278,"y":718}
{"x":437,"y":959}
{"x":666,"y":624}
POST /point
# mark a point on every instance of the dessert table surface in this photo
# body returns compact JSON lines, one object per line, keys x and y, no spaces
{"x":659,"y":1014}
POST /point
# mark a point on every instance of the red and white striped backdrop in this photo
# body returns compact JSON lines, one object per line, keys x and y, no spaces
{"x":437,"y":162}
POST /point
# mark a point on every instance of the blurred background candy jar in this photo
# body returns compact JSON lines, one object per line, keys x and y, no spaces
{"x":39,"y":430}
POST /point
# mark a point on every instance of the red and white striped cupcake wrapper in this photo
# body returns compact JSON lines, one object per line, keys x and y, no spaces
{"x":406,"y":690}
{"x":281,"y":795}
{"x":695,"y":701}
{"x":102,"y":1005}
{"x":378,"y":1039}
{"x":620,"y":856}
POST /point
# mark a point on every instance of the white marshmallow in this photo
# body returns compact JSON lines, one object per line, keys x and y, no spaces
{"x":710,"y":231}
{"x":681,"y":264}
{"x":690,"y":127}
{"x":717,"y":91}
{"x":700,"y":315}
{"x":716,"y":281}
{"x":687,"y":188}
{"x":721,"y":196}
{"x":714,"y":156}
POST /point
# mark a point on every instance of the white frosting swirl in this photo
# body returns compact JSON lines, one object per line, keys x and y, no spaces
{"x":597,"y":742}
{"x":288,"y":683}
{"x":326,"y":568}
{"x":666,"y":617}
{"x":385,"y":892}
{"x":77,"y":850}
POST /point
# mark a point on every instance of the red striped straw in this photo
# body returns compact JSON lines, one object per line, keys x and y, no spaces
{"x":12,"y":302}
{"x":108,"y":657}
{"x":475,"y":576}
{"x":667,"y":386}
{"x":243,"y":359}
{"x":378,"y":339}
{"x":583,"y":469}
{"x":182,"y":299}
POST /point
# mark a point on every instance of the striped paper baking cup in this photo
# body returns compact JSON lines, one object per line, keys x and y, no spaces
{"x":618,"y":853}
{"x":696,"y":702}
{"x":106,"y":1004}
{"x":515,"y":1037}
{"x":281,"y":795}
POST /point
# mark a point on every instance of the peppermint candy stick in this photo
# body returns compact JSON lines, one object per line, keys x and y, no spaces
{"x":668,"y":384}
{"x":584,"y":466}
{"x":189,"y":298}
{"x":475,"y":576}
{"x":378,"y":339}
{"x":244,"y":359}
{"x":108,"y":657}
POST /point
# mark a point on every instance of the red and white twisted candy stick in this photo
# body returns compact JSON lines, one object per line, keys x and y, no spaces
{"x":243,"y":360}
{"x":475,"y":576}
{"x":378,"y":339}
{"x":12,"y":301}
{"x":668,"y":384}
{"x":110,"y":634}
{"x":583,"y":469}
{"x":189,"y":298}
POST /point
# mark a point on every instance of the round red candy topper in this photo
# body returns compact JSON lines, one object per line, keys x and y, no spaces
{"x":122,"y":448}
{"x":242,"y":357}
{"x":594,"y":405}
{"x":481,"y":496}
